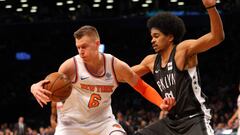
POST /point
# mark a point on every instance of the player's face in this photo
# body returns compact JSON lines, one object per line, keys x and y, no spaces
{"x":87,"y":47}
{"x":159,"y":41}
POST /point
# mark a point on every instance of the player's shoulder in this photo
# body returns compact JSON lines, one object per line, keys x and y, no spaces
{"x":108,"y":55}
{"x":186,"y":44}
{"x":71,"y":60}
{"x":67,"y":66}
{"x":112,"y":57}
{"x":150,"y":57}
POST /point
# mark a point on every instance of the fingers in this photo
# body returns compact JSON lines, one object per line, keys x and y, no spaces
{"x":168,"y":103}
{"x":40,"y":103}
{"x":172,"y":101}
{"x":164,"y":106}
{"x":42,"y":97}
{"x":46,"y":91}
{"x":44,"y":81}
{"x":41,"y":83}
{"x":40,"y":93}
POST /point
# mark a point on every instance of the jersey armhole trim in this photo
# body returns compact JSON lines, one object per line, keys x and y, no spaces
{"x":113,"y":71}
{"x":76,"y":70}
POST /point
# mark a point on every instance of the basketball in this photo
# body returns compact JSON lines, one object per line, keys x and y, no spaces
{"x":60,"y":86}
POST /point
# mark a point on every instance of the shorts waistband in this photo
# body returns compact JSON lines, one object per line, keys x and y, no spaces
{"x":184,"y":115}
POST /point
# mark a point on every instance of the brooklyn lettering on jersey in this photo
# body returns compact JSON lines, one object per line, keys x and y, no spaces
{"x":166,"y":82}
{"x":97,"y":88}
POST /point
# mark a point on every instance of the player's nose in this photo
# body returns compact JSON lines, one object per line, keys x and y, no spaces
{"x":153,"y":41}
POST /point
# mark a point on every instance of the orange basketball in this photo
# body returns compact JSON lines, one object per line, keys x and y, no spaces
{"x":60,"y":86}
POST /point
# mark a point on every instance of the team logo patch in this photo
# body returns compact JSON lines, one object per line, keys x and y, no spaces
{"x":156,"y":71}
{"x":169,"y":65}
{"x":117,"y":126}
{"x":108,"y":76}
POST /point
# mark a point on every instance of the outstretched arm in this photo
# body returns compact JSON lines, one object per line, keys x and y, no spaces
{"x":209,"y":40}
{"x":125,"y":74}
{"x":145,"y":66}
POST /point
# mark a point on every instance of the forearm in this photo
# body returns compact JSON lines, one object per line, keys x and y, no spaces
{"x":148,"y":92}
{"x":53,"y":116}
{"x":140,"y":70}
{"x":53,"y":121}
{"x":216,"y":25}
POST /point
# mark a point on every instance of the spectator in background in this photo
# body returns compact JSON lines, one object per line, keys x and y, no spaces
{"x":8,"y":132}
{"x":42,"y":131}
{"x":124,"y":123}
{"x":236,"y":114}
{"x":20,"y":127}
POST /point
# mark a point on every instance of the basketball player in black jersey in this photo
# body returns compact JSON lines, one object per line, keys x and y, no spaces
{"x":176,"y":73}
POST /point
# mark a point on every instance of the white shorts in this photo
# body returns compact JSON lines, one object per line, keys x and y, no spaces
{"x":108,"y":126}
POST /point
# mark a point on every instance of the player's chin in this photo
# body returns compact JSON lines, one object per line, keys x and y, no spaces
{"x":156,"y":49}
{"x":84,"y":59}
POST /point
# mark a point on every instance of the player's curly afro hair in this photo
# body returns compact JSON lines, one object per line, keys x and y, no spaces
{"x":168,"y":23}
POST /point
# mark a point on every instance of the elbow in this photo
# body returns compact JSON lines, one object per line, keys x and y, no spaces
{"x":221,"y":37}
{"x":218,"y":39}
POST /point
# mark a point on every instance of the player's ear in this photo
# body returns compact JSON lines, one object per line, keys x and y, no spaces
{"x":98,"y":43}
{"x":170,"y":37}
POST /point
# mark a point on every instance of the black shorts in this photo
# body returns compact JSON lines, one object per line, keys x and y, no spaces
{"x":197,"y":125}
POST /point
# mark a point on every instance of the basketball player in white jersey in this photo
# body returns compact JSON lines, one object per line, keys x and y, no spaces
{"x":95,"y":76}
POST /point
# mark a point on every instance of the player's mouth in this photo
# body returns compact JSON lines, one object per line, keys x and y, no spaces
{"x":154,"y":46}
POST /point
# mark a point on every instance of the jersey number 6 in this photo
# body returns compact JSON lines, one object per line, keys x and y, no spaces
{"x":94,"y":100}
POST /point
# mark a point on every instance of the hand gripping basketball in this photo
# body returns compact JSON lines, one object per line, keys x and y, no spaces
{"x":60,"y":86}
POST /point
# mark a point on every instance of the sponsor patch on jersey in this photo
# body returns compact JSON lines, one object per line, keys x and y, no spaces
{"x":169,"y":65}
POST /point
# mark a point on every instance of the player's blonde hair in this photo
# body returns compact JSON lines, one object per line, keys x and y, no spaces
{"x":86,"y":30}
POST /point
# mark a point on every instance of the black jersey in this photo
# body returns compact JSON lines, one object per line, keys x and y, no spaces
{"x":184,"y":86}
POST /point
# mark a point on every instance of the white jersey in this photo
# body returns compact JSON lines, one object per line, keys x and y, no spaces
{"x":59,"y":106}
{"x":90,"y":100}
